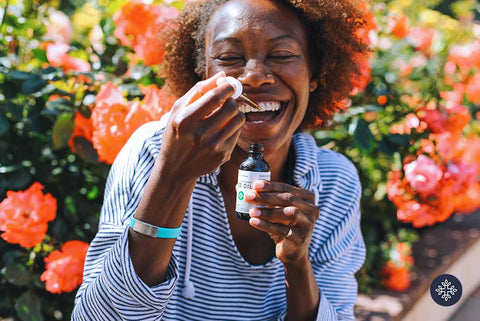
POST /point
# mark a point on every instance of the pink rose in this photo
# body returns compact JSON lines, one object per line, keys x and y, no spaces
{"x":59,"y":27}
{"x":423,"y":174}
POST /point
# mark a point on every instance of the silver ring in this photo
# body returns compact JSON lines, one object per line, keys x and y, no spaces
{"x":290,"y":232}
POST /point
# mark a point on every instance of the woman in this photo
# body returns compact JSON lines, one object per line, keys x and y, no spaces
{"x":296,"y":256}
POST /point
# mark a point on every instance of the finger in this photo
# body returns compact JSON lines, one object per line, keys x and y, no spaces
{"x":222,"y":116}
{"x":226,"y":122}
{"x":206,"y":104}
{"x":202,"y":87}
{"x":227,"y":144}
{"x":272,"y":199}
{"x":276,"y":231}
{"x":291,"y":215}
{"x":269,"y":186}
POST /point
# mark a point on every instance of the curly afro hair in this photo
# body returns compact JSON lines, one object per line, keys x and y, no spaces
{"x":335,"y":48}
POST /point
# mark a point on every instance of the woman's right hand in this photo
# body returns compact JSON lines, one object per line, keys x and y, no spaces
{"x":202,"y":130}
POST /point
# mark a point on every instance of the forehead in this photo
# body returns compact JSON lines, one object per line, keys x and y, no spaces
{"x":256,"y":17}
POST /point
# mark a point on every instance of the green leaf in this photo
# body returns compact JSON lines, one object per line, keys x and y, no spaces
{"x":10,"y":257}
{"x":33,"y":84}
{"x":4,"y":124}
{"x":16,"y":274}
{"x":40,"y":54}
{"x":19,"y":75}
{"x":387,"y":147}
{"x":70,"y":204}
{"x":28,"y":307}
{"x":15,"y":110}
{"x":18,"y":179}
{"x":60,"y":105}
{"x":10,"y":89}
{"x":93,"y":193}
{"x":85,"y":150}
{"x":62,"y":130}
{"x":398,"y":139}
{"x":362,"y":136}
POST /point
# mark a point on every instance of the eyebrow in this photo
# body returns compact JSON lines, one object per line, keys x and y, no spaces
{"x":236,"y":40}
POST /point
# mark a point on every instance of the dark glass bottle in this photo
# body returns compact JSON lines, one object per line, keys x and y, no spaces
{"x":251,"y":169}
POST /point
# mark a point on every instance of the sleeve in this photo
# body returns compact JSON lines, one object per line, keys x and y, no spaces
{"x":337,"y":250}
{"x":111,"y":290}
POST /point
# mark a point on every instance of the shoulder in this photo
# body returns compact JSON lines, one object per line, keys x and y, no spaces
{"x":327,"y":169}
{"x":337,"y":170}
{"x":341,"y":190}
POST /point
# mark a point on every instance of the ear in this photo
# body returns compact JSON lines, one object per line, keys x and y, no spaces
{"x":313,"y":84}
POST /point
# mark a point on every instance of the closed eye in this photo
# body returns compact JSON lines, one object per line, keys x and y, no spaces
{"x":229,"y":58}
{"x":282,"y":56}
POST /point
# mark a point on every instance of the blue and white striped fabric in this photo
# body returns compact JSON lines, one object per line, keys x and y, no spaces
{"x":226,"y":286}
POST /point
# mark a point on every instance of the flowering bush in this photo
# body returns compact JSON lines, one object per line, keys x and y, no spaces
{"x":73,"y":91}
{"x":408,"y":131}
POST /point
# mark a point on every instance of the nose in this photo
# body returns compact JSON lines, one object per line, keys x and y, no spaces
{"x":256,"y":74}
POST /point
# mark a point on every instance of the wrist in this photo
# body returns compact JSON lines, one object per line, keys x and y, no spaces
{"x":300,"y":265}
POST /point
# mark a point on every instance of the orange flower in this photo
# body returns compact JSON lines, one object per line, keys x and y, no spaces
{"x":157,"y":101}
{"x":139,"y":25}
{"x":82,"y":128}
{"x":115,"y":119}
{"x":64,"y":268}
{"x":451,"y":118}
{"x":133,"y":19}
{"x":418,"y":214}
{"x":24,"y":215}
{"x":382,"y":100}
{"x":473,"y":89}
{"x":469,"y":151}
{"x":458,"y":117}
{"x":396,"y":272}
{"x":395,"y":278}
{"x":57,"y":55}
{"x":468,"y":200}
{"x":399,"y":25}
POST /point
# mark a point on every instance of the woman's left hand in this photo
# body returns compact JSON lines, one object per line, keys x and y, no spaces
{"x":288,"y":208}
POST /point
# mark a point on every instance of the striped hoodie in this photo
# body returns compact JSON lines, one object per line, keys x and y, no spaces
{"x":207,"y":277}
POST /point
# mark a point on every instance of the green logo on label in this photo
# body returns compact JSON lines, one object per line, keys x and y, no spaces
{"x":240,"y":195}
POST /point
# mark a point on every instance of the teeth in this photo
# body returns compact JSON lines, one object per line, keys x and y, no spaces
{"x":264,"y":106}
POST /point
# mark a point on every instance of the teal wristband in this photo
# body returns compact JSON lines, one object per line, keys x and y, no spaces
{"x":154,"y":231}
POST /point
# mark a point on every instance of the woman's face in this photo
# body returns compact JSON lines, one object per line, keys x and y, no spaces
{"x":264,"y":45}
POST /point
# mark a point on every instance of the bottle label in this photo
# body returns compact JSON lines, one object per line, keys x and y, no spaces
{"x":244,"y":184}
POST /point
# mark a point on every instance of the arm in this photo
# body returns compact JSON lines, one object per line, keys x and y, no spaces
{"x":129,"y":274}
{"x":111,"y":290}
{"x":320,"y":285}
{"x":200,"y":135}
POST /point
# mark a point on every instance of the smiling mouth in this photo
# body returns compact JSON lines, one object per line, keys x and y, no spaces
{"x":268,"y":111}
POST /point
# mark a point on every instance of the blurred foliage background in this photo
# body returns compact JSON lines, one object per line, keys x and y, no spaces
{"x":76,"y":78}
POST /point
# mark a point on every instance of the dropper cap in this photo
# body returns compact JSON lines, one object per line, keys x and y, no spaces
{"x":235,"y":83}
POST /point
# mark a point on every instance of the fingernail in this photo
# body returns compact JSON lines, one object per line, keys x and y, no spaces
{"x":249,"y":196}
{"x":258,"y":184}
{"x":255,"y":212}
{"x":289,"y":211}
{"x":254,"y":221}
